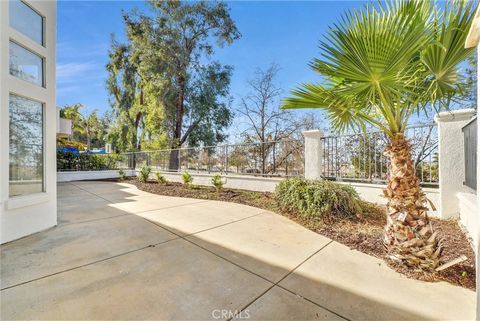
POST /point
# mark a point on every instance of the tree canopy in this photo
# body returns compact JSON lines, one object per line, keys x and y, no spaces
{"x":175,"y":88}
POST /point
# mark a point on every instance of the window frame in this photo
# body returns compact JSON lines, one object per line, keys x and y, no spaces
{"x":44,"y":33}
{"x":44,"y":65}
{"x":44,"y":156}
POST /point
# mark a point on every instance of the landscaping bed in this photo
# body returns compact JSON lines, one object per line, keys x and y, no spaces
{"x":362,"y":233}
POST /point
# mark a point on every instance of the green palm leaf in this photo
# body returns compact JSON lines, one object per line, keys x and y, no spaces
{"x":384,"y":61}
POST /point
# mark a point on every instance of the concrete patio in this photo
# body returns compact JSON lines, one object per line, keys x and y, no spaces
{"x":120,"y":253}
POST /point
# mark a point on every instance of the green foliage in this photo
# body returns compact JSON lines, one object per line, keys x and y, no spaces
{"x":121,"y":174}
{"x":171,"y":46}
{"x":217,"y":181}
{"x":318,"y":198}
{"x":63,"y":142}
{"x":383,"y":63}
{"x":86,"y":162}
{"x":124,"y":86}
{"x":88,"y":129}
{"x":160,"y":178}
{"x":187,"y":179}
{"x":144,"y":173}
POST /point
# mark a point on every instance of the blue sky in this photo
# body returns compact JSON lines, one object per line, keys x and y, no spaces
{"x":285,"y":33}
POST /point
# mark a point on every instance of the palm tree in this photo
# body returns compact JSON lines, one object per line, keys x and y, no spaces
{"x":89,"y":125}
{"x":73,"y":113}
{"x":380,"y":65}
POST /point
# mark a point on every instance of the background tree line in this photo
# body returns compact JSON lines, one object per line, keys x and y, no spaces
{"x":166,"y":90}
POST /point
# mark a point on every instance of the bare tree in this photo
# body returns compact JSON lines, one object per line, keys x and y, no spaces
{"x":266,"y":123}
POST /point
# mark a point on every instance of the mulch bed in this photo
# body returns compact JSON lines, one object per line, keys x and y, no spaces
{"x":363,"y":234}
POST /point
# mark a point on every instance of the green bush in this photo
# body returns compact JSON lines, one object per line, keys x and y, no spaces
{"x":122,"y":175}
{"x":318,"y":198}
{"x":67,"y":161}
{"x":217,"y":182}
{"x":187,"y":179}
{"x":144,"y":173}
{"x":160,"y":178}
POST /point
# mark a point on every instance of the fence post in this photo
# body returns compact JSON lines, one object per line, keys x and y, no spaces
{"x":313,"y":154}
{"x":226,"y":159}
{"x":179,"y":169}
{"x":451,"y":159}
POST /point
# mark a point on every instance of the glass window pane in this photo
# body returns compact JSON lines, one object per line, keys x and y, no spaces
{"x":25,"y":64}
{"x":26,"y":146}
{"x":26,"y":20}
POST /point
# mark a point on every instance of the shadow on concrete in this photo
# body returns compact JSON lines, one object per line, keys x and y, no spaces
{"x":176,"y":276}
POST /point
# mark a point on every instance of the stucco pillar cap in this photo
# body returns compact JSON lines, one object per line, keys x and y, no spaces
{"x":455,"y":115}
{"x":315,"y":133}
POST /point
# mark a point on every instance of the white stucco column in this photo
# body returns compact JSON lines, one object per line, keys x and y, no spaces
{"x":451,"y":158}
{"x":313,"y":154}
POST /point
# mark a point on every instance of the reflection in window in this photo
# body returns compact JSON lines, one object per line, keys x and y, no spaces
{"x":26,"y":146}
{"x":25,"y":64}
{"x":26,"y":20}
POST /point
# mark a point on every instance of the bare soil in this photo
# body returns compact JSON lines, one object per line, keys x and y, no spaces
{"x":363,"y":234}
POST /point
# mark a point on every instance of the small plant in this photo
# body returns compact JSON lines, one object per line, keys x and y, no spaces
{"x":144,"y":173}
{"x":187,"y":179}
{"x":218,"y":182}
{"x":122,"y":175}
{"x":160,"y":178}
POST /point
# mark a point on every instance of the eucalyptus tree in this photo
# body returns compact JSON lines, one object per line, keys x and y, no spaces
{"x":173,"y":44}
{"x":124,"y":86}
{"x":380,"y":65}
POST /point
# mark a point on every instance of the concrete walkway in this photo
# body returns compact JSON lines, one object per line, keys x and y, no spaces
{"x":120,"y":253}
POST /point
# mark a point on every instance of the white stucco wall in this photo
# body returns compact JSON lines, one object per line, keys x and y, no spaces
{"x":374,"y":193}
{"x":451,"y":158}
{"x":20,"y":216}
{"x":369,"y":192}
{"x":90,"y":175}
{"x":250,"y":183}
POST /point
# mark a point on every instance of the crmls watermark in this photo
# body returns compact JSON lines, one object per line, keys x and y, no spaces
{"x":218,"y":314}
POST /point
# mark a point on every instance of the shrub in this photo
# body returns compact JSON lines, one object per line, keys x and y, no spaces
{"x":218,"y":182}
{"x":144,"y":173}
{"x":68,"y":161}
{"x":160,"y":178}
{"x":318,"y":198}
{"x":187,"y":179}
{"x":122,"y":175}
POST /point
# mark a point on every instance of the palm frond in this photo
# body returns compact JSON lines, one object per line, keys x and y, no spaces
{"x":382,"y":62}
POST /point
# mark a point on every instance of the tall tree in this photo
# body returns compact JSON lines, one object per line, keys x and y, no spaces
{"x":91,"y":126}
{"x":172,"y":44}
{"x":123,"y":84}
{"x":381,"y":65}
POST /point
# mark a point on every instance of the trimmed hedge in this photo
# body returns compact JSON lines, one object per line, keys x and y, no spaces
{"x":318,"y":198}
{"x":86,"y":162}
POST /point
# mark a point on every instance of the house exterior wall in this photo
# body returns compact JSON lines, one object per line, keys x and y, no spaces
{"x":27,"y":214}
{"x":452,"y":159}
{"x":64,"y":126}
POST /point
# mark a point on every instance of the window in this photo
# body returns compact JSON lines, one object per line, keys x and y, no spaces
{"x":26,"y":20}
{"x":26,"y":146}
{"x":25,"y":64}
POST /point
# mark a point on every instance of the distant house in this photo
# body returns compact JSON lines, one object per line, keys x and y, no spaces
{"x":27,"y":118}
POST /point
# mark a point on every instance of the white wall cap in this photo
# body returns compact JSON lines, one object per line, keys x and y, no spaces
{"x":455,"y":115}
{"x":315,"y":133}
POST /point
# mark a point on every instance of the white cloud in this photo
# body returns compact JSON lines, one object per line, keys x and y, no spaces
{"x":71,"y":71}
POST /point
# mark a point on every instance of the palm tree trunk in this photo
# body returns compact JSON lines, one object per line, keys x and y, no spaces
{"x":409,"y":238}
